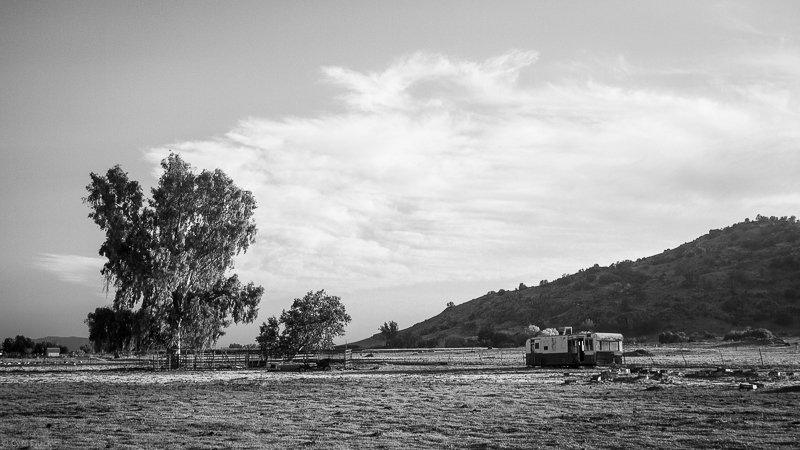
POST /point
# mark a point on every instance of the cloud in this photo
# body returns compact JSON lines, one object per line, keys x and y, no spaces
{"x":393,"y":88}
{"x":73,"y":269}
{"x":450,"y":170}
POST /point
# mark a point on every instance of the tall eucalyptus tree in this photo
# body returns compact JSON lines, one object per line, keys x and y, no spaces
{"x":172,"y":254}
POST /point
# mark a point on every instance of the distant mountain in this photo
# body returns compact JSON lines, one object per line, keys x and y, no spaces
{"x":747,"y":274}
{"x":73,"y":343}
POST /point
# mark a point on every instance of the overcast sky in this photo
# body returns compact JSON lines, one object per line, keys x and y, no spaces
{"x":403,"y":154}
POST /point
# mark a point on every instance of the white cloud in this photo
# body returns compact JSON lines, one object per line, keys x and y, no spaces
{"x":73,"y":269}
{"x":447,"y":170}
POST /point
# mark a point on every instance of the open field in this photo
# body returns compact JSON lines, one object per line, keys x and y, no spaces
{"x":688,"y":355}
{"x":378,"y":404}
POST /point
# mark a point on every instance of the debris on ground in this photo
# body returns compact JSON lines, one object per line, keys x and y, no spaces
{"x":637,"y":353}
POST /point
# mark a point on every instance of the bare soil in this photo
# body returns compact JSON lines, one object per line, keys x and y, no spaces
{"x":385,"y":405}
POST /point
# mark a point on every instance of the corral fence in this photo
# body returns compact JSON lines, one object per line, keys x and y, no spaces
{"x":67,"y":364}
{"x":470,"y":356}
{"x":242,"y":359}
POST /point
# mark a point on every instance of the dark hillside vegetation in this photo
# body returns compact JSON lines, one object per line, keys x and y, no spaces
{"x":747,"y":274}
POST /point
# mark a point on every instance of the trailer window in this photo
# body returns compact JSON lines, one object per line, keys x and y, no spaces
{"x":613,"y":346}
{"x":536,"y":346}
{"x":545,"y":347}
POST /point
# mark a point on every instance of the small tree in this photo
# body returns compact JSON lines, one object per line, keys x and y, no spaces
{"x":309,"y":326}
{"x":20,"y":344}
{"x":454,"y":341}
{"x":110,"y":330}
{"x":586,"y":325}
{"x":668,"y":337}
{"x":269,"y":338}
{"x":486,"y":334}
{"x":389,"y":332}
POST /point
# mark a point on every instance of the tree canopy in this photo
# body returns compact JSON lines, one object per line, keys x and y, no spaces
{"x":27,"y":346}
{"x":125,"y":330}
{"x":389,"y":332}
{"x":310,"y":325}
{"x":110,"y":330}
{"x":171,"y":254}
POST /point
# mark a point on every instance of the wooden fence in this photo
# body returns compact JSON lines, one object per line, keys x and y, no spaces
{"x":240,"y":359}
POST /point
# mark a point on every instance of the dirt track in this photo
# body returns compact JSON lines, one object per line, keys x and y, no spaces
{"x":392,"y":407}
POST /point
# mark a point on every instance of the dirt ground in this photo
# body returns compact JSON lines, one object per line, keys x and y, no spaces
{"x":469,"y":398}
{"x":399,"y":406}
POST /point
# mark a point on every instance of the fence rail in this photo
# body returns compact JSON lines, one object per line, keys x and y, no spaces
{"x":216,"y":360}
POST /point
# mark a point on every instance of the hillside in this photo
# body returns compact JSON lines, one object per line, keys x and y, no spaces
{"x":747,"y":274}
{"x":73,"y":343}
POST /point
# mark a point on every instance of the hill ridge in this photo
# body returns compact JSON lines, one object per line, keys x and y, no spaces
{"x":73,"y":343}
{"x":746,"y":274}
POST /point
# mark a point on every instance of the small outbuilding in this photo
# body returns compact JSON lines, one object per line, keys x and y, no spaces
{"x":52,"y":352}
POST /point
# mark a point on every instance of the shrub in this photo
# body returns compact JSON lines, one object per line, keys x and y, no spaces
{"x":428,"y":343}
{"x":563,"y":281}
{"x":502,"y":339}
{"x":470,"y":327}
{"x":704,"y":336}
{"x":608,"y":278}
{"x":586,"y":325}
{"x":454,"y":342}
{"x":750,"y":244}
{"x":582,"y":285}
{"x":668,"y":337}
{"x":486,"y":334}
{"x":748,"y":333}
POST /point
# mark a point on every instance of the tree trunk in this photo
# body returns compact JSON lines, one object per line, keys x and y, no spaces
{"x":179,"y":336}
{"x":177,"y":314}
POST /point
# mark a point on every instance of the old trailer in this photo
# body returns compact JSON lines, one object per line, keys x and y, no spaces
{"x":568,"y":349}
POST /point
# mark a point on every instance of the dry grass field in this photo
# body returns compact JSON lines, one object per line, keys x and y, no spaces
{"x":449,"y":403}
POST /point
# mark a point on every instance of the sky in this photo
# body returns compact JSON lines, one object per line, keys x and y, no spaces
{"x":403,"y":154}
